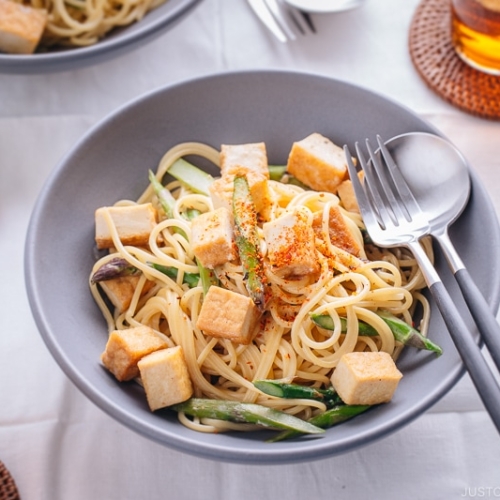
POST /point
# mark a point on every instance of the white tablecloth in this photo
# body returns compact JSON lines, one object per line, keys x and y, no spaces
{"x":58,"y":445}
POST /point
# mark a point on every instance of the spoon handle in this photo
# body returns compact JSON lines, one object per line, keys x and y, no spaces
{"x":470,"y":352}
{"x":480,"y":310}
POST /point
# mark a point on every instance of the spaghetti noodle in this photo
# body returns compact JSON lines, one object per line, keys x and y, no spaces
{"x":79,"y":23}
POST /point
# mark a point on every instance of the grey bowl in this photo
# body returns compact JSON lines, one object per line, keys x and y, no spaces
{"x":112,"y":162}
{"x":115,"y":44}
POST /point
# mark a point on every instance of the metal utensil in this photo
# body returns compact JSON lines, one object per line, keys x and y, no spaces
{"x":393,"y":218}
{"x":438,"y":176}
{"x":285,"y":22}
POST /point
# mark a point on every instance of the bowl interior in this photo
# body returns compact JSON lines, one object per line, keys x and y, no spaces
{"x":112,"y":161}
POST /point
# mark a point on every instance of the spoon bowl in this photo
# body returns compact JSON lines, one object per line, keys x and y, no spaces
{"x":437,"y":173}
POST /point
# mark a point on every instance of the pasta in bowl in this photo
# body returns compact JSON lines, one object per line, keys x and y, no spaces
{"x":225,"y":288}
{"x":38,"y":36}
{"x":113,"y":162}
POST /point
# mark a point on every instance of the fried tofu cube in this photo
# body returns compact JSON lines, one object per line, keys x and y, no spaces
{"x":229,"y":315}
{"x":345,"y":192}
{"x":366,"y":378}
{"x":339,"y":232}
{"x":21,"y":27}
{"x":165,"y":377}
{"x":212,"y":238}
{"x":244,"y":158}
{"x":290,"y":244}
{"x":126,"y":347}
{"x":133,"y":223}
{"x":317,"y":162}
{"x":121,"y":290}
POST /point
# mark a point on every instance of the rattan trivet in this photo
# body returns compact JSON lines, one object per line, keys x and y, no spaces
{"x":8,"y":489}
{"x":444,"y":72}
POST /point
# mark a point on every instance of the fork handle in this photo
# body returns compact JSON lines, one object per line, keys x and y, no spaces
{"x":481,"y":312}
{"x":479,"y":371}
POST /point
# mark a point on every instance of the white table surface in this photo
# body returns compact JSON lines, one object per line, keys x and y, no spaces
{"x":57,"y":444}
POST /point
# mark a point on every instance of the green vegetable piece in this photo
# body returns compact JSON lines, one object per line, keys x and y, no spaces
{"x":325,"y":321}
{"x":276,"y":172}
{"x":248,"y":413}
{"x":193,"y":177}
{"x":247,"y":240}
{"x":408,"y":335}
{"x":329,"y":418}
{"x":167,"y":201}
{"x":115,"y":268}
{"x":296,"y":391}
{"x":401,"y":330}
{"x":191,"y":279}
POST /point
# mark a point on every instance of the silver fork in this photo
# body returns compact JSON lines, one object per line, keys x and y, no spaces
{"x":393,"y":218}
{"x":286,"y":22}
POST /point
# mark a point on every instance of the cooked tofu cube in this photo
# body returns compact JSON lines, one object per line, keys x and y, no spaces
{"x":133,"y":223}
{"x":290,"y":244}
{"x":345,"y":192}
{"x":126,"y":347}
{"x":221,"y":192}
{"x":317,"y":162}
{"x":121,"y":290}
{"x":244,"y":158}
{"x":212,"y":238}
{"x":21,"y":27}
{"x":165,"y":377}
{"x":339,"y":232}
{"x":366,"y":378}
{"x":229,"y":315}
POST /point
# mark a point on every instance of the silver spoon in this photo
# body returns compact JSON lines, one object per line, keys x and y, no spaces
{"x":438,"y":175}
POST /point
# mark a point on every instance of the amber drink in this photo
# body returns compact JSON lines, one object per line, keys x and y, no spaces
{"x":476,"y":33}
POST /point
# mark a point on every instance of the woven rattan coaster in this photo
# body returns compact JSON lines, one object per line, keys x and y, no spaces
{"x":8,"y":489}
{"x":438,"y":64}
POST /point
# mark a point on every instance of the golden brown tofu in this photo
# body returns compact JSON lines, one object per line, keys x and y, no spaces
{"x":21,"y":27}
{"x":248,"y":158}
{"x":133,"y":223}
{"x":366,"y":378}
{"x":121,"y":290}
{"x":165,"y":377}
{"x":317,"y":162}
{"x":212,"y":238}
{"x":126,"y":347}
{"x":290,"y":244}
{"x":345,"y":192}
{"x":229,"y":315}
{"x":339,"y":232}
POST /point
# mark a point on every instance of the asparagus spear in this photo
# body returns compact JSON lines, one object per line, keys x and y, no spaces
{"x":118,"y":268}
{"x":401,"y":330}
{"x":324,"y":420}
{"x":193,"y":177}
{"x":295,"y":391}
{"x":191,"y":279}
{"x":115,"y":268}
{"x":245,"y":413}
{"x":247,"y":240}
{"x":277,"y":172}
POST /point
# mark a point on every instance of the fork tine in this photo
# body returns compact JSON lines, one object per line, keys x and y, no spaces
{"x":380,"y":183}
{"x":398,"y":180}
{"x":302,"y":20}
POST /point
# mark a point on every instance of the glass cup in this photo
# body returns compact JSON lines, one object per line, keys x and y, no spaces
{"x":476,"y":33}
